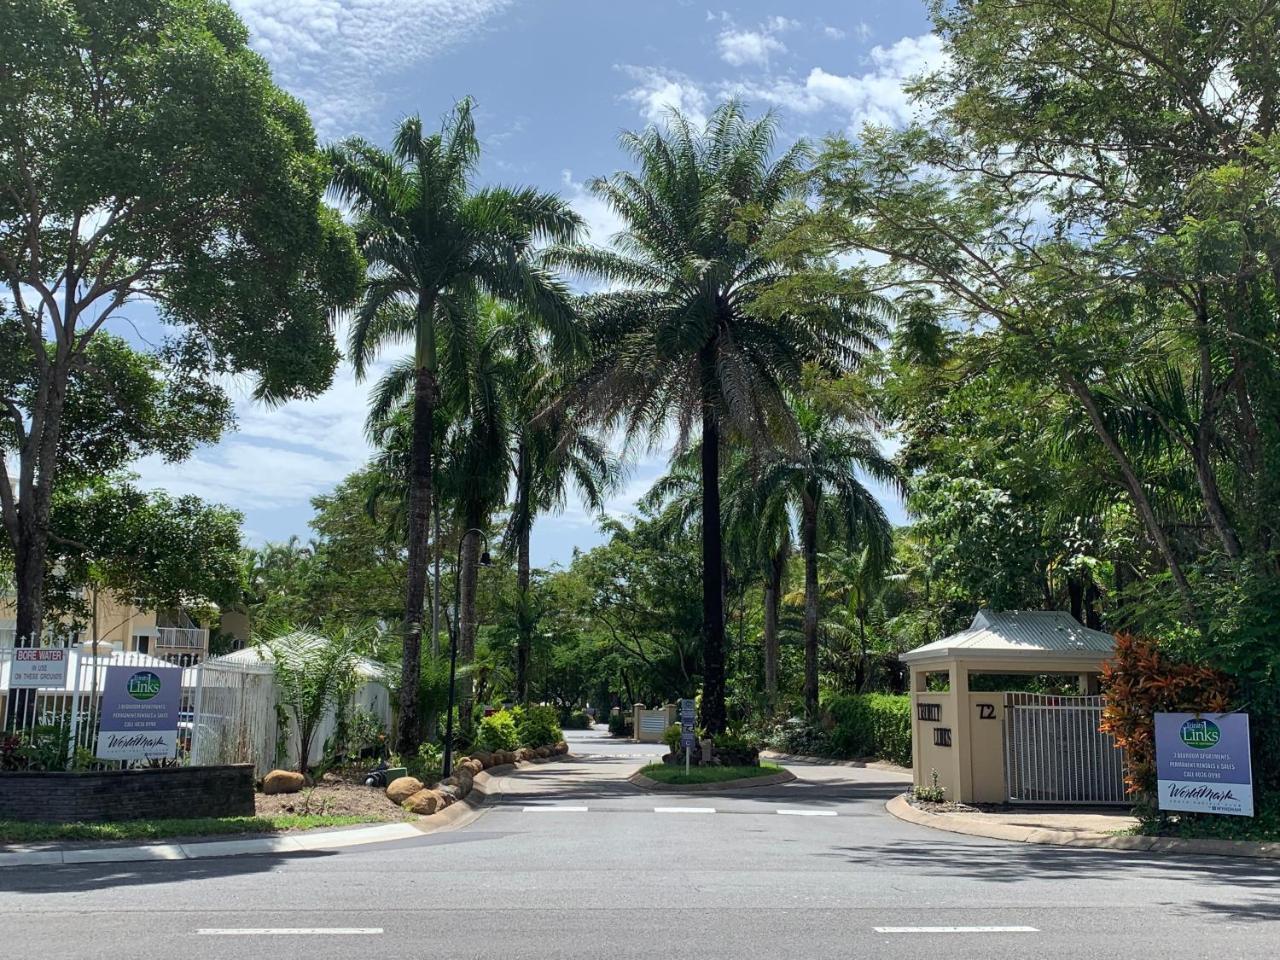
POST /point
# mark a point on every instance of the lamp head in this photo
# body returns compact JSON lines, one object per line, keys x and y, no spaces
{"x":486,"y":560}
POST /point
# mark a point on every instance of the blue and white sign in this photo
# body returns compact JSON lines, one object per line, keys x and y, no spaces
{"x":1203,"y":763}
{"x":140,"y":713}
{"x":688,"y":724}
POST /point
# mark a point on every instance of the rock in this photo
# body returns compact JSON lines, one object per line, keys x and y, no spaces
{"x":562,"y":747}
{"x":508,"y":756}
{"x":475,"y":766}
{"x":524,"y":753}
{"x":544,"y":752}
{"x":425,"y":802}
{"x":449,"y":791}
{"x":402,"y":788}
{"x":283,"y":781}
{"x":486,"y":760}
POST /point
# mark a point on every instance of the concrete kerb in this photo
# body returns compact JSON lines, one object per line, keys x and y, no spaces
{"x":452,"y":817}
{"x":638,"y":779}
{"x":901,"y":808}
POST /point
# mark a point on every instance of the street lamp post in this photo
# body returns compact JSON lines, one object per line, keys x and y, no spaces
{"x":453,"y":640}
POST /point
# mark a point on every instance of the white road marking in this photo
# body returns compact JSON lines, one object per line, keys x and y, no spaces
{"x":551,"y":809}
{"x":684,"y":809}
{"x":289,"y":931}
{"x":955,"y":930}
{"x":806,"y":813}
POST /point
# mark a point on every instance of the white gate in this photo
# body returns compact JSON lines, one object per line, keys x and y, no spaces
{"x":1054,"y":752}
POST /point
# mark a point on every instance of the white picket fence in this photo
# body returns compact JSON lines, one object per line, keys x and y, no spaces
{"x":227,"y":713}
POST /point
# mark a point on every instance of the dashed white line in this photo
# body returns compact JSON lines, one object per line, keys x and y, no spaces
{"x":806,"y":813}
{"x":289,"y":931}
{"x":955,"y":930}
{"x":555,"y":809}
{"x":684,"y":809}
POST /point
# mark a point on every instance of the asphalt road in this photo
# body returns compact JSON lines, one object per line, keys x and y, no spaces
{"x":538,"y":876}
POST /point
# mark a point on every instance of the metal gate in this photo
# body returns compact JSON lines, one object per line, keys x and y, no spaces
{"x":1054,"y":752}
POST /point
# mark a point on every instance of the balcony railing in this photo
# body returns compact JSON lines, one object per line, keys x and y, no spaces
{"x":186,"y":638}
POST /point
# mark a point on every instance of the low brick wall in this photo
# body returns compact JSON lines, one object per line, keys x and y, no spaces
{"x":148,"y":794}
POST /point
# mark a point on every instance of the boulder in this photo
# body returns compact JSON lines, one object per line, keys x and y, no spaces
{"x":449,"y":791}
{"x":402,"y":788}
{"x":524,"y":753}
{"x":562,"y":747}
{"x":283,"y":781}
{"x":474,"y":765}
{"x":425,"y":802}
{"x":508,"y":756}
{"x":484,"y":759}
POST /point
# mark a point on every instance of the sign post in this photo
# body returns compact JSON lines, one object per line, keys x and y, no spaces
{"x":687,"y":732}
{"x":1203,"y":763}
{"x":139,"y":716}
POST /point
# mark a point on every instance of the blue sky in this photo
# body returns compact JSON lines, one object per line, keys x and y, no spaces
{"x":555,"y":82}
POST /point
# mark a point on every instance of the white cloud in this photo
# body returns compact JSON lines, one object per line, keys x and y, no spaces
{"x":876,"y":96}
{"x":740,"y":47}
{"x":657,"y":92}
{"x":277,"y":457}
{"x":340,"y":56}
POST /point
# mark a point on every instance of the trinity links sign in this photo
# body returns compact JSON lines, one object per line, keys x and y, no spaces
{"x":1203,"y":764}
{"x":140,"y":713}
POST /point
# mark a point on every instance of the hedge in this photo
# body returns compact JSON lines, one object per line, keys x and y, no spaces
{"x":870,"y":725}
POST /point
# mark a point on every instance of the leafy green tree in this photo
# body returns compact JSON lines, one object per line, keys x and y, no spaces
{"x":156,"y":550}
{"x":434,"y":242}
{"x":714,"y":315}
{"x":173,"y":170}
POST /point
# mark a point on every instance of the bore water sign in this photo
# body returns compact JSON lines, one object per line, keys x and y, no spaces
{"x":140,"y":713}
{"x":1203,"y":763}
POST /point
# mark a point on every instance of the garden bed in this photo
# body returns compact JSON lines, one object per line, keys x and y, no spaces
{"x":332,"y":798}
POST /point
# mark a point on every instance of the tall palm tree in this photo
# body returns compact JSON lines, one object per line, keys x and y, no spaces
{"x":552,"y":452}
{"x":432,"y":242}
{"x":818,"y":482}
{"x":712,"y":316}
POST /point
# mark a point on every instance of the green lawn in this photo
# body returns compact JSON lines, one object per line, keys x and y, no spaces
{"x":674,"y":774}
{"x":12,"y":831}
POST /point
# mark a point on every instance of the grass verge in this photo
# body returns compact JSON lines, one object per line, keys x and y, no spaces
{"x":12,"y":831}
{"x":674,"y":774}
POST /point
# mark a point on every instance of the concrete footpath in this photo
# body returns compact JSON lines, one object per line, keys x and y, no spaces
{"x":1099,"y":831}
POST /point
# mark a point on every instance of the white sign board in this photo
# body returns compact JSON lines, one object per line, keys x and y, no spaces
{"x":38,"y":667}
{"x":139,"y":713}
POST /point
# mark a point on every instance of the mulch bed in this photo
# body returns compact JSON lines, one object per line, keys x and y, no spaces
{"x":333,"y":796}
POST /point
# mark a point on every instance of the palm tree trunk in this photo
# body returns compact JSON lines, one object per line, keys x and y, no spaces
{"x":714,"y":719}
{"x":809,"y":544}
{"x":420,"y":494}
{"x":772,"y":598}
{"x":524,"y":528}
{"x":467,"y":615}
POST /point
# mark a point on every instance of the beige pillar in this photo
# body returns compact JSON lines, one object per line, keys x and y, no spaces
{"x":961,"y":741}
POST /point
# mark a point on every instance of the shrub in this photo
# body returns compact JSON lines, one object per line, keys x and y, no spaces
{"x":799,"y":736}
{"x":671,"y":737}
{"x":620,"y":725}
{"x":1142,"y":681}
{"x":537,"y":727}
{"x":498,"y":731}
{"x":933,"y":793}
{"x":733,"y":750}
{"x":578,"y":720}
{"x":427,"y":765}
{"x":870,"y":725}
